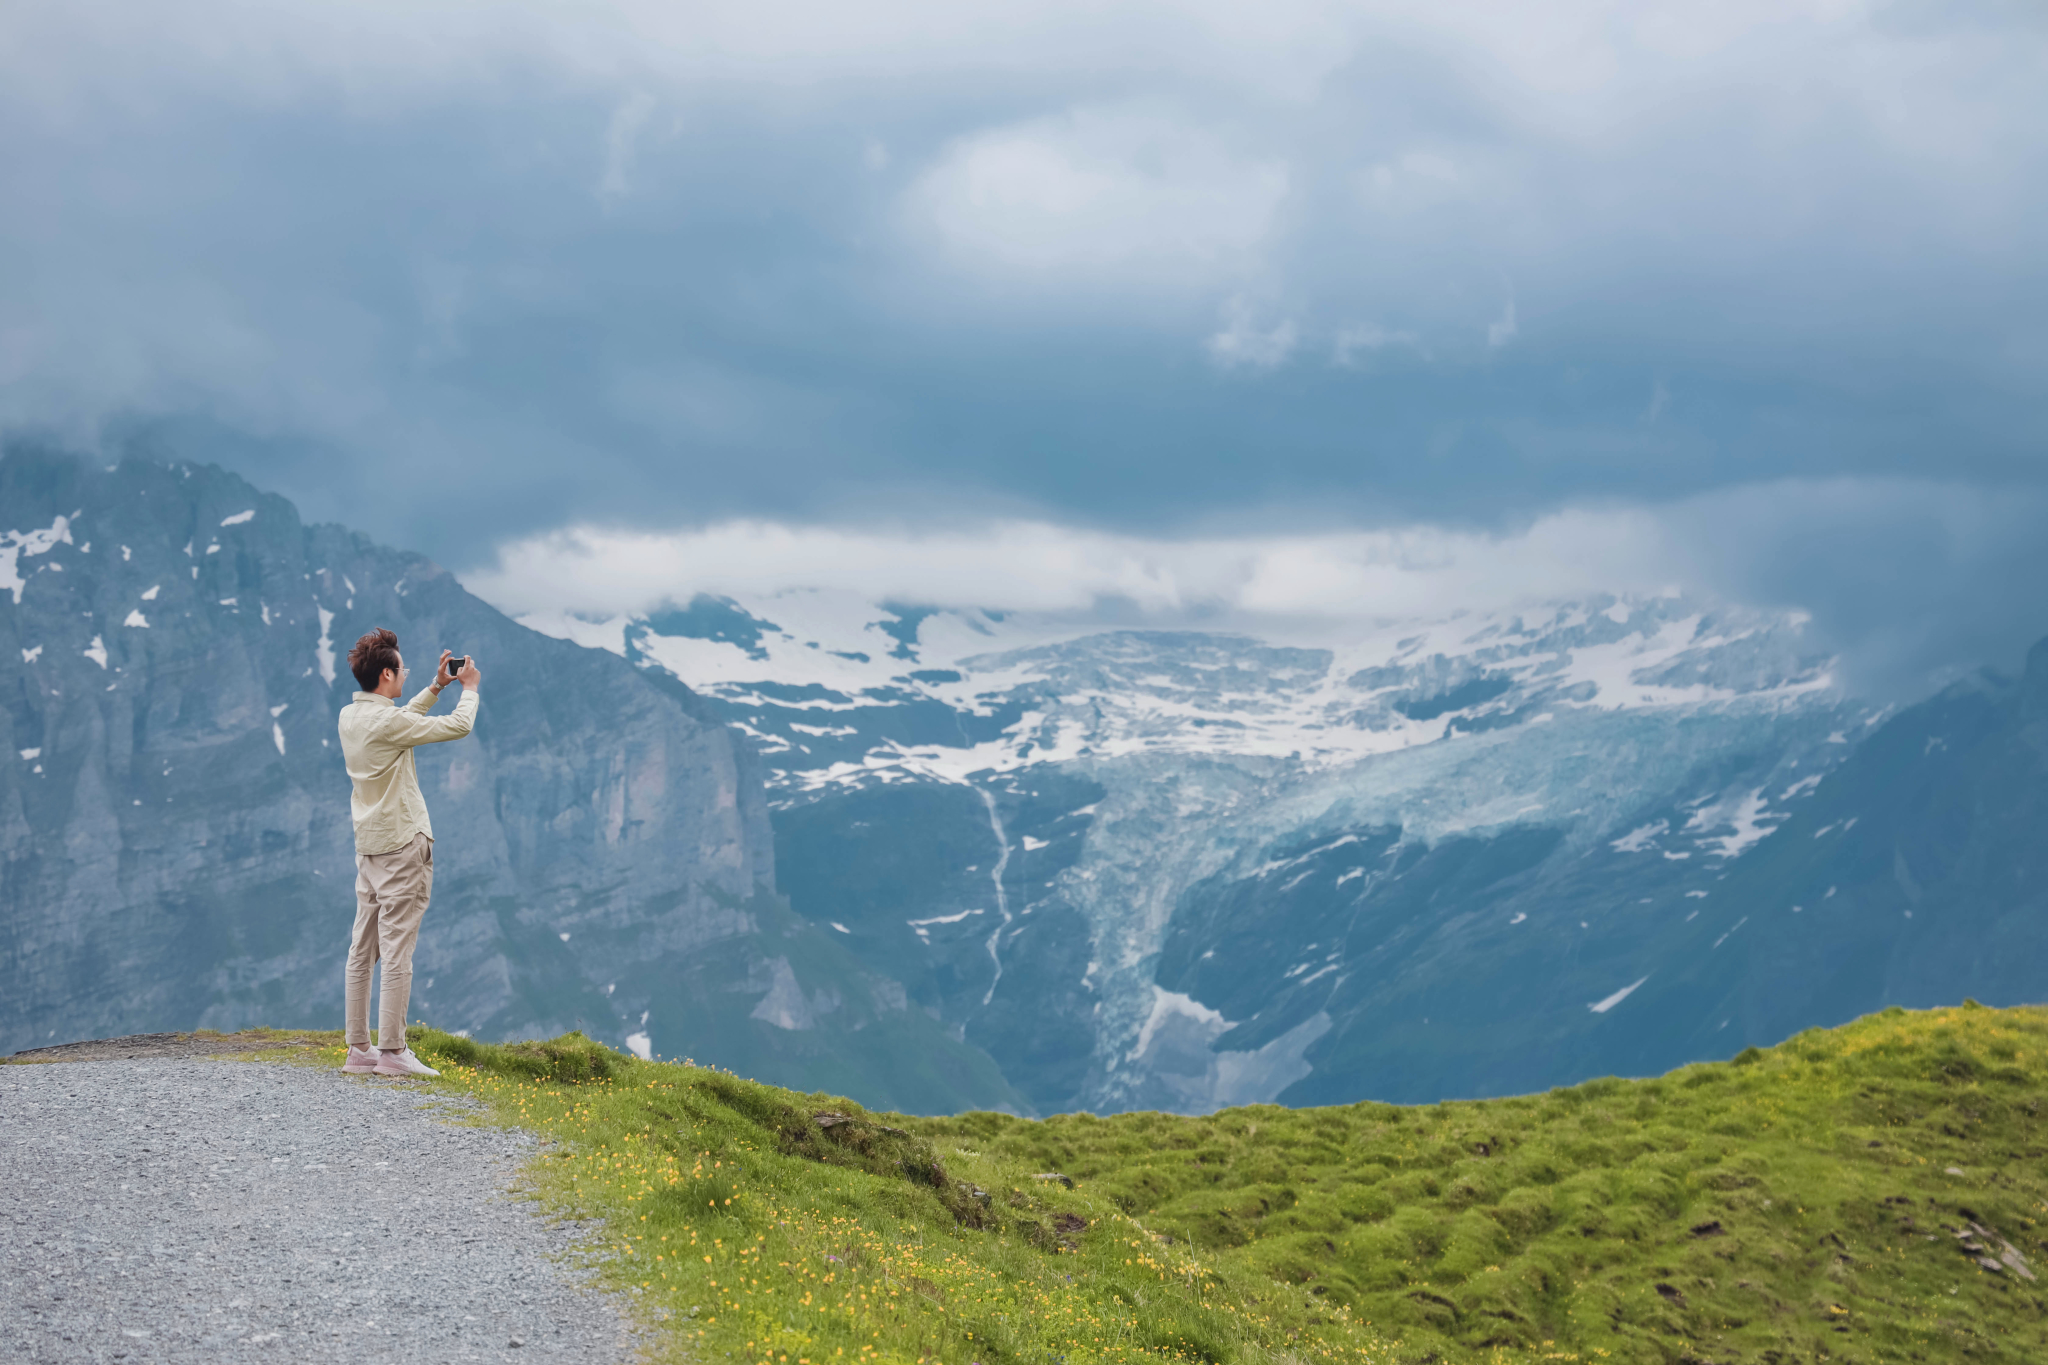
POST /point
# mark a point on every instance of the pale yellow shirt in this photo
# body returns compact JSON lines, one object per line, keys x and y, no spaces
{"x":377,"y":739}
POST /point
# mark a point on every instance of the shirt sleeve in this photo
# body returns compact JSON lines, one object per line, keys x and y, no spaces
{"x":415,"y":727}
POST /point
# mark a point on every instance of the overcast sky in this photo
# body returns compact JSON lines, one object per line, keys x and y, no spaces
{"x":1756,"y":291}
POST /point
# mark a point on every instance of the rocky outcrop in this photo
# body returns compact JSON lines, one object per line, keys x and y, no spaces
{"x":174,"y":819}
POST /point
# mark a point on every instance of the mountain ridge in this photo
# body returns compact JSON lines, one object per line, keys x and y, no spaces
{"x":947,"y":859}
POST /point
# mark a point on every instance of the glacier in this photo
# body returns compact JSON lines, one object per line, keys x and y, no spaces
{"x":1296,"y":862}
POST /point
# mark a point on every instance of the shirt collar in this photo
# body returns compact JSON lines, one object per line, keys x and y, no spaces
{"x":376,"y":696}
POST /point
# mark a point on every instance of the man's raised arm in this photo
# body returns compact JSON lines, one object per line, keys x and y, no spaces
{"x":421,"y":728}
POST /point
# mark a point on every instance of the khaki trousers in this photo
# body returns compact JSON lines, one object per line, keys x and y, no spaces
{"x":392,"y":890}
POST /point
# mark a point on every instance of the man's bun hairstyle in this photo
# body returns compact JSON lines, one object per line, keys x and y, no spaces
{"x":373,"y":654}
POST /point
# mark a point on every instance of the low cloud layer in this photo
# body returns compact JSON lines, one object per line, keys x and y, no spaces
{"x":1885,"y":569}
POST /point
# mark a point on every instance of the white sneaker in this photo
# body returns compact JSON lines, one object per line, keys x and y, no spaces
{"x":402,"y":1064}
{"x":361,"y":1061}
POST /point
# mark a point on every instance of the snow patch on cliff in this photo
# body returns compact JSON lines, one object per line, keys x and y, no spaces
{"x":16,"y":546}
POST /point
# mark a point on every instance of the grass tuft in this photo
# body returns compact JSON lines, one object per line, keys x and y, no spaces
{"x":571,"y":1059}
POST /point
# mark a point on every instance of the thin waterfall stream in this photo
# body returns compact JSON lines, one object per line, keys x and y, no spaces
{"x":995,"y":954}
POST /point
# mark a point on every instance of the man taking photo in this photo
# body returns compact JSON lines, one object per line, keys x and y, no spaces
{"x":394,"y":839}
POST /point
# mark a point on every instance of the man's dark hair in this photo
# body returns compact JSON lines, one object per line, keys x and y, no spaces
{"x":373,"y":654}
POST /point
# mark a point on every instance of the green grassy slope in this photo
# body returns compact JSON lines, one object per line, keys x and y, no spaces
{"x":1871,"y":1193}
{"x":749,"y":1231}
{"x":1795,"y":1204}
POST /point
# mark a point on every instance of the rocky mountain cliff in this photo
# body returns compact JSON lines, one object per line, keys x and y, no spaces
{"x":1917,"y":875}
{"x":175,"y":847}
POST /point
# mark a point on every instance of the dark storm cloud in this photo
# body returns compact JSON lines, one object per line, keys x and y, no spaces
{"x":1153,"y":270}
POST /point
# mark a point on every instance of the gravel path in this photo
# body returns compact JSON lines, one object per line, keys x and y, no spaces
{"x":221,"y":1211}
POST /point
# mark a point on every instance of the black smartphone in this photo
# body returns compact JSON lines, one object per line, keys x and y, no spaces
{"x":457,"y":663}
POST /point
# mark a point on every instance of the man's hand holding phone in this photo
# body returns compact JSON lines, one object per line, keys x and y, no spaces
{"x":456,"y":668}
